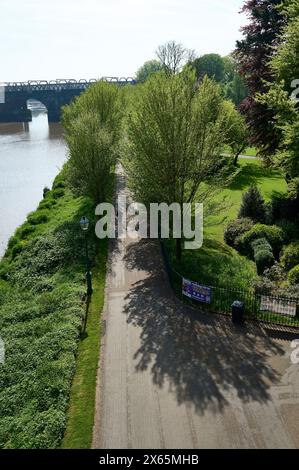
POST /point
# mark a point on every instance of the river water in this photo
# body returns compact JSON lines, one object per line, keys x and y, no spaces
{"x":31,"y":155}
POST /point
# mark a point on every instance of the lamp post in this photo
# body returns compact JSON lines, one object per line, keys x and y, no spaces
{"x":84,"y":224}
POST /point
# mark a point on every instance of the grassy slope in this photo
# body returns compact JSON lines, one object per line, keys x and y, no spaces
{"x":80,"y":417}
{"x":67,"y":275}
{"x":216,"y":263}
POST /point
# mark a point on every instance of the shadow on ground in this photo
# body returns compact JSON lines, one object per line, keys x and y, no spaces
{"x":201,"y":356}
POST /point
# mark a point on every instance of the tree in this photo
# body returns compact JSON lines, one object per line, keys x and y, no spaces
{"x":173,"y":56}
{"x":147,"y":69}
{"x":253,"y":206}
{"x":260,"y":37}
{"x":211,"y":65}
{"x":238,"y":134}
{"x":92,"y":125}
{"x":285,"y":71}
{"x":176,"y":137}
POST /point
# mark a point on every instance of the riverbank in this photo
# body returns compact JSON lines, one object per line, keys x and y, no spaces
{"x":42,"y":317}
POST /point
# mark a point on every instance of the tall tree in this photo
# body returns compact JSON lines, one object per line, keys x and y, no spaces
{"x":280,"y":99}
{"x":173,"y":56}
{"x":92,"y":125}
{"x":147,"y":69}
{"x":211,"y":65}
{"x":260,"y":37}
{"x":176,"y":138}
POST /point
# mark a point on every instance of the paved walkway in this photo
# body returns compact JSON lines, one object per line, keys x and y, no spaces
{"x":171,"y":377}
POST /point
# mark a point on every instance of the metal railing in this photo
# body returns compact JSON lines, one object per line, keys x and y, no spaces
{"x":276,"y":310}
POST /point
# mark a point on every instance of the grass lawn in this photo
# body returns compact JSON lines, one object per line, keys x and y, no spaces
{"x":216,"y":263}
{"x":80,"y":416}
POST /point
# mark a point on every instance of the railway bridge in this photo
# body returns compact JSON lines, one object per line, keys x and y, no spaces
{"x":52,"y":94}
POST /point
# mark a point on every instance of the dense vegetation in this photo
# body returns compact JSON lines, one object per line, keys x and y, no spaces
{"x":41,"y":315}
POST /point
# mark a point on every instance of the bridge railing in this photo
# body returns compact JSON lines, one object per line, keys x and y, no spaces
{"x":62,"y":84}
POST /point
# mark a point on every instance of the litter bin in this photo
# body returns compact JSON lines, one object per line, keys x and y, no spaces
{"x":238,"y":310}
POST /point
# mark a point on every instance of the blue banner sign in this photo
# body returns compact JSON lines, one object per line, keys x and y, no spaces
{"x":195,"y":291}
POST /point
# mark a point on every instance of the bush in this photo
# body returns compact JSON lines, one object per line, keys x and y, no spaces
{"x":290,"y":256}
{"x":290,"y":228}
{"x":45,"y":191}
{"x":294,"y":276}
{"x":273,"y":234}
{"x":47,"y":204}
{"x":26,"y":230}
{"x":253,"y":206}
{"x":263,"y":254}
{"x":16,"y":250}
{"x":57,"y":193}
{"x":38,"y":217}
{"x":235,"y":230}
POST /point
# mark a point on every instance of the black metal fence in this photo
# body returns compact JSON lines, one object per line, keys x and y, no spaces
{"x":282,"y":311}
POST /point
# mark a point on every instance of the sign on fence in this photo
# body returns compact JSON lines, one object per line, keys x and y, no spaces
{"x":284,"y":307}
{"x":195,"y":291}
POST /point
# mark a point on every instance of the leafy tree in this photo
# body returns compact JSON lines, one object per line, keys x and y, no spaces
{"x":173,"y":56}
{"x":92,"y":126}
{"x":176,"y":136}
{"x":285,"y":70}
{"x":211,"y":65}
{"x":260,"y":37}
{"x":253,"y":205}
{"x":238,"y":134}
{"x":147,"y":69}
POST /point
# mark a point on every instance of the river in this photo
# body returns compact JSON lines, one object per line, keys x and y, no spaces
{"x":31,"y":155}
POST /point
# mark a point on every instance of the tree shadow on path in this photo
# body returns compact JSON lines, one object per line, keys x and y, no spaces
{"x":201,"y":356}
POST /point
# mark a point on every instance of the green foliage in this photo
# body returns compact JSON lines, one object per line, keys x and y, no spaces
{"x":285,"y":69}
{"x":148,"y":68}
{"x":253,"y":205}
{"x":180,"y":146}
{"x":92,"y":126}
{"x":263,"y":258}
{"x":238,"y":133}
{"x":57,"y":192}
{"x":294,"y":275}
{"x":235,"y":230}
{"x":211,"y":65}
{"x":41,"y":315}
{"x":290,"y":256}
{"x":38,"y":217}
{"x":274,"y":235}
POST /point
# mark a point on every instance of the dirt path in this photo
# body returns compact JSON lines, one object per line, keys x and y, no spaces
{"x":171,"y":377}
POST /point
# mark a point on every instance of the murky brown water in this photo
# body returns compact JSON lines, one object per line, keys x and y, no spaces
{"x":31,"y":155}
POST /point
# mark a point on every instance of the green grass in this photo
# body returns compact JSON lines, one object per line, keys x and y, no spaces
{"x":80,"y":416}
{"x":248,"y":152}
{"x":216,"y":263}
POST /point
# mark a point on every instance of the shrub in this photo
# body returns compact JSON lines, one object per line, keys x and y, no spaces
{"x":290,"y":256}
{"x":264,"y":259}
{"x":290,"y":228}
{"x":261,"y":243}
{"x":47,"y":204}
{"x":57,"y":193}
{"x":236,"y":229}
{"x":294,"y":275}
{"x":59,"y":182}
{"x":272,"y":233}
{"x":263,"y":254}
{"x":26,"y":230}
{"x":38,"y":217}
{"x":253,"y":205}
{"x":45,"y":191}
{"x":13,"y":241}
{"x":16,"y":250}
